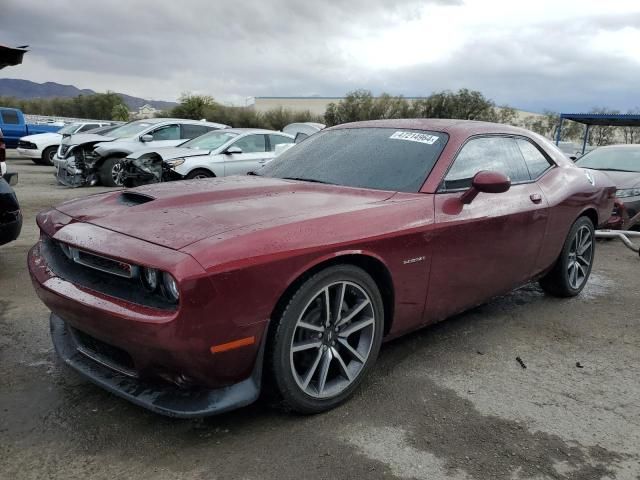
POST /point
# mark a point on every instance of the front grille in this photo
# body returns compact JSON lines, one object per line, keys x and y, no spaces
{"x":104,"y":353}
{"x":26,"y":145}
{"x":61,"y":262}
{"x":97,"y":262}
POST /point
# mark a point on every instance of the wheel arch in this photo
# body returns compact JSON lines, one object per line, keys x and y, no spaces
{"x":112,"y":154}
{"x":370,"y":263}
{"x":592,"y":214}
{"x":200,"y":167}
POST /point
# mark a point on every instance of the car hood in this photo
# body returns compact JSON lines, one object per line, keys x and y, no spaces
{"x":177,"y":214}
{"x":42,"y":137}
{"x":624,"y":179}
{"x":168,"y":153}
{"x":82,"y":138}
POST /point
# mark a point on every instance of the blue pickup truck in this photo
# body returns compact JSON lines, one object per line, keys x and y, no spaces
{"x":13,"y":126}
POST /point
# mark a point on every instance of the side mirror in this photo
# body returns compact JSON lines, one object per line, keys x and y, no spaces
{"x":146,"y":138}
{"x":486,"y":182}
{"x":233,"y":150}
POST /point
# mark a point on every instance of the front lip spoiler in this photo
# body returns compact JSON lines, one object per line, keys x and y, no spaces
{"x":165,"y":399}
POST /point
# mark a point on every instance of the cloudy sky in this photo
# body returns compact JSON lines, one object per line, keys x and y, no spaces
{"x":533,"y":54}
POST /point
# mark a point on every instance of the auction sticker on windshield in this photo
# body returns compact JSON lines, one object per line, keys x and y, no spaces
{"x":415,"y":137}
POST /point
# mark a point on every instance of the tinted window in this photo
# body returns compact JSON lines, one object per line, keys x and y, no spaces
{"x":251,"y":144}
{"x":626,"y":159}
{"x":10,"y":117}
{"x":379,"y":158}
{"x":193,"y":131}
{"x":498,"y":154}
{"x":88,"y":126}
{"x":535,"y":160}
{"x":277,"y":140}
{"x":211,"y":140}
{"x":170,"y":132}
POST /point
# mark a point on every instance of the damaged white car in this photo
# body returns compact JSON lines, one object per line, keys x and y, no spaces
{"x":89,"y":159}
{"x":234,"y":151}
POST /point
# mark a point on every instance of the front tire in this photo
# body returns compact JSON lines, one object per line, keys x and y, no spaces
{"x":569,"y":275}
{"x":327,"y":339}
{"x":48,"y":155}
{"x":111,"y":172}
{"x":199,"y":173}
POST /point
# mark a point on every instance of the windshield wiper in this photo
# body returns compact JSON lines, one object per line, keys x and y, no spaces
{"x":254,"y":173}
{"x":312,"y":180}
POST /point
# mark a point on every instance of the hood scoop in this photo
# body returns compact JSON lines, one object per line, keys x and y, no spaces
{"x":131,"y":199}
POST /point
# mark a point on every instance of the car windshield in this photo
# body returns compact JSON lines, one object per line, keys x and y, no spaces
{"x":377,"y":158}
{"x":623,"y":159}
{"x":129,"y":130}
{"x":210,"y":141}
{"x":68,"y":129}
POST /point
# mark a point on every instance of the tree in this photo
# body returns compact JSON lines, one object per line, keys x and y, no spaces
{"x":602,"y":134}
{"x":120,"y":112}
{"x":631,"y":134}
{"x":195,"y":107}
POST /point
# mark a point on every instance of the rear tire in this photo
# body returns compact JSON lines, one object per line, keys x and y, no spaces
{"x":318,"y":359}
{"x":569,"y":275}
{"x":110,"y":172}
{"x":47,"y":156}
{"x":199,"y":173}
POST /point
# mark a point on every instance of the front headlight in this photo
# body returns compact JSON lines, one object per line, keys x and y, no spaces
{"x":170,"y":287}
{"x":628,"y":192}
{"x":175,"y":162}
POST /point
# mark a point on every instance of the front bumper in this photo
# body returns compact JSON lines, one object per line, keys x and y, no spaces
{"x":34,"y":153}
{"x":66,"y":172}
{"x":162,"y":398}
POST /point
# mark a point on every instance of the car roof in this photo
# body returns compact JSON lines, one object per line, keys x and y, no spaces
{"x":153,"y":121}
{"x":255,"y":130}
{"x":446,"y":125}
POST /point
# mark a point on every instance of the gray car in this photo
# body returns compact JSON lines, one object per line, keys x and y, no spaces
{"x":234,"y":151}
{"x":89,"y":159}
{"x":622,"y":164}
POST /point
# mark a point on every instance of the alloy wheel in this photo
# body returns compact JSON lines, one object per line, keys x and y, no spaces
{"x":332,"y":339}
{"x":117,"y":173}
{"x":580,"y":257}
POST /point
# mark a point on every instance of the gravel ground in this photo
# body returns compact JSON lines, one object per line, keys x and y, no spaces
{"x":447,"y":402}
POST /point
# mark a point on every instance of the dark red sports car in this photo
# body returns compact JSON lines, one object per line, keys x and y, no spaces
{"x":187,"y":297}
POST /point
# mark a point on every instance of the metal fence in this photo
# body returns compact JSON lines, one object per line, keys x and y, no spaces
{"x":45,"y":119}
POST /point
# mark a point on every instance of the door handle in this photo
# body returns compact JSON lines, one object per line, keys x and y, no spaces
{"x":535,"y":197}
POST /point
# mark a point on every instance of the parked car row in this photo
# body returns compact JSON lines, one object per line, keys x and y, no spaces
{"x":88,"y":159}
{"x":42,"y":147}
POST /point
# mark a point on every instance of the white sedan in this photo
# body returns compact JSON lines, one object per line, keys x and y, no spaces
{"x":232,"y":151}
{"x":42,"y":147}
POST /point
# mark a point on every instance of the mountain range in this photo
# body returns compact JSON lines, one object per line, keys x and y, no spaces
{"x":11,"y":87}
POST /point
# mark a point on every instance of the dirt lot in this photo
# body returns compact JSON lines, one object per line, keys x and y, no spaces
{"x":449,"y":402}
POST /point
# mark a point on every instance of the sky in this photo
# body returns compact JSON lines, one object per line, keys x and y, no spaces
{"x":561,"y":55}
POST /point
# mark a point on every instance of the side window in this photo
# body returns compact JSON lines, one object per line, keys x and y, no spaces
{"x":88,"y":126}
{"x":169,"y":132}
{"x":10,"y":117}
{"x":251,"y":144}
{"x":535,"y":160}
{"x":499,"y":154}
{"x":193,"y":131}
{"x":277,"y":140}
